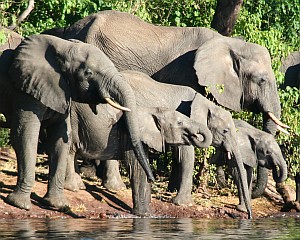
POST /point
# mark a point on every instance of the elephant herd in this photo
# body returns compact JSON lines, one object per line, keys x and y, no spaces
{"x":111,"y":87}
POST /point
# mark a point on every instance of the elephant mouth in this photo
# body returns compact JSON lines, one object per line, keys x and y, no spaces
{"x":195,"y":139}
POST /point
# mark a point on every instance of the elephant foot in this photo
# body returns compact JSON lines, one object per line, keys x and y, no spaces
{"x":183,"y":200}
{"x":74,"y":183}
{"x":19,"y":199}
{"x":241,"y":208}
{"x":142,"y":211}
{"x":88,"y":171}
{"x":114,"y":184}
{"x":56,"y":200}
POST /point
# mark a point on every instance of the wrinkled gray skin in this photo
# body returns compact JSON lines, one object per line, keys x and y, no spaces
{"x":47,"y":72}
{"x":187,"y":101}
{"x":185,"y":56}
{"x":196,"y":57}
{"x":103,"y":137}
{"x":258,"y":148}
{"x":290,"y":66}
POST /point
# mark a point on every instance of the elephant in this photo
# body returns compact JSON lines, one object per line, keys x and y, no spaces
{"x":242,"y":76}
{"x":184,"y":99}
{"x":104,"y":137}
{"x":290,"y":66}
{"x":258,"y":148}
{"x":45,"y":74}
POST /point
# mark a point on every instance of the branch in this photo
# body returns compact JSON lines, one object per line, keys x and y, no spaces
{"x":24,"y":14}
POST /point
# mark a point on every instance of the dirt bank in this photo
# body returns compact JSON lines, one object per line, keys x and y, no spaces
{"x":97,"y":202}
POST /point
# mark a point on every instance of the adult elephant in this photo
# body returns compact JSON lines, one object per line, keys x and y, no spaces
{"x":103,"y":137}
{"x":46,"y":73}
{"x":290,"y":66}
{"x":258,"y":148}
{"x":234,"y":73}
{"x":184,"y":99}
{"x":242,"y":76}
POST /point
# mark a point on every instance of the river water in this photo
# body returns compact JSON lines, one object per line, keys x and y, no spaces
{"x":151,"y":228}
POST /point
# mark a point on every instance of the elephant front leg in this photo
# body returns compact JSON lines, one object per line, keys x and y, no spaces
{"x":186,"y":158}
{"x":73,"y":181}
{"x":141,"y":188}
{"x":59,"y":149}
{"x":24,"y":136}
{"x":112,"y":179}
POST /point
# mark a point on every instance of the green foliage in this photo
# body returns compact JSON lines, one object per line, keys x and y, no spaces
{"x":290,"y":113}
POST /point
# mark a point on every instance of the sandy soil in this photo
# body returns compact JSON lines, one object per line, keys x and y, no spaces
{"x":98,"y":202}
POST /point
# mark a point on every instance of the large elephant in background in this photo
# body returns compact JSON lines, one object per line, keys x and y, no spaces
{"x":290,"y":66}
{"x":6,"y":56}
{"x":258,"y":148}
{"x":235,"y":73}
{"x":103,"y":137}
{"x":184,"y":99}
{"x":44,"y":75}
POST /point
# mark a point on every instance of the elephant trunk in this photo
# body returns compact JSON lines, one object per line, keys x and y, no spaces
{"x":281,"y":177}
{"x":241,"y":171}
{"x":122,"y":93}
{"x":207,"y":138}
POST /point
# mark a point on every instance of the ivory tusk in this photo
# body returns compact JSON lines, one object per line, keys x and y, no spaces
{"x":282,"y":130}
{"x":277,"y":121}
{"x":116,"y":105}
{"x":228,"y":155}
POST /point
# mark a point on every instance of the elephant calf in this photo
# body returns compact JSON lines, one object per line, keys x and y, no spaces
{"x":258,"y":148}
{"x":104,"y":136}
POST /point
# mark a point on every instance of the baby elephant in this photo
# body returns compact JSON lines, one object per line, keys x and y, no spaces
{"x":258,"y":148}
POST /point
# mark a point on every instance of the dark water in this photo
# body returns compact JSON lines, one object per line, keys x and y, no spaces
{"x":271,"y":228}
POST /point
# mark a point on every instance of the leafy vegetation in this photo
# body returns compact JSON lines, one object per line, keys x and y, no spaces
{"x":271,"y":23}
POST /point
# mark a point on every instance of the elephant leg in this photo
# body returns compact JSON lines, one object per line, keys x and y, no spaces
{"x":24,"y":135}
{"x":221,"y":180}
{"x":59,"y":149}
{"x":73,"y":181}
{"x":174,"y":180}
{"x":141,"y":188}
{"x":186,"y":158}
{"x":261,"y":181}
{"x":88,"y":168}
{"x":112,"y":179}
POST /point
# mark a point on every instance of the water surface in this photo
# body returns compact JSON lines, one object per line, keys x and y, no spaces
{"x":147,"y":228}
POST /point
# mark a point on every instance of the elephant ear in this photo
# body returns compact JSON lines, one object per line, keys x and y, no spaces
{"x":217,"y":67}
{"x":150,"y":128}
{"x":247,"y":146}
{"x":36,"y":71}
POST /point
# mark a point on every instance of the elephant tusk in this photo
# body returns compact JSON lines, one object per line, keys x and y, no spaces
{"x":228,"y":155}
{"x":277,"y":121}
{"x":282,"y":130}
{"x":116,"y":105}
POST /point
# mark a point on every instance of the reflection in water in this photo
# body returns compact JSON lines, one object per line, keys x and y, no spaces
{"x":150,"y":228}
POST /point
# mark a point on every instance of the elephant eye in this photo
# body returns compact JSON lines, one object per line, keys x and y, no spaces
{"x":88,"y":73}
{"x":226,"y":130}
{"x":261,"y":81}
{"x":179,"y":123}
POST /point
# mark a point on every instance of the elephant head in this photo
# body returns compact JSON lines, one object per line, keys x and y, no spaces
{"x":162,"y":126}
{"x":242,"y":70}
{"x":260,"y":148}
{"x":54,"y":71}
{"x":223,"y":130}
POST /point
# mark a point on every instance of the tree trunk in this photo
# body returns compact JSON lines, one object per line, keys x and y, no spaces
{"x":227,"y":12}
